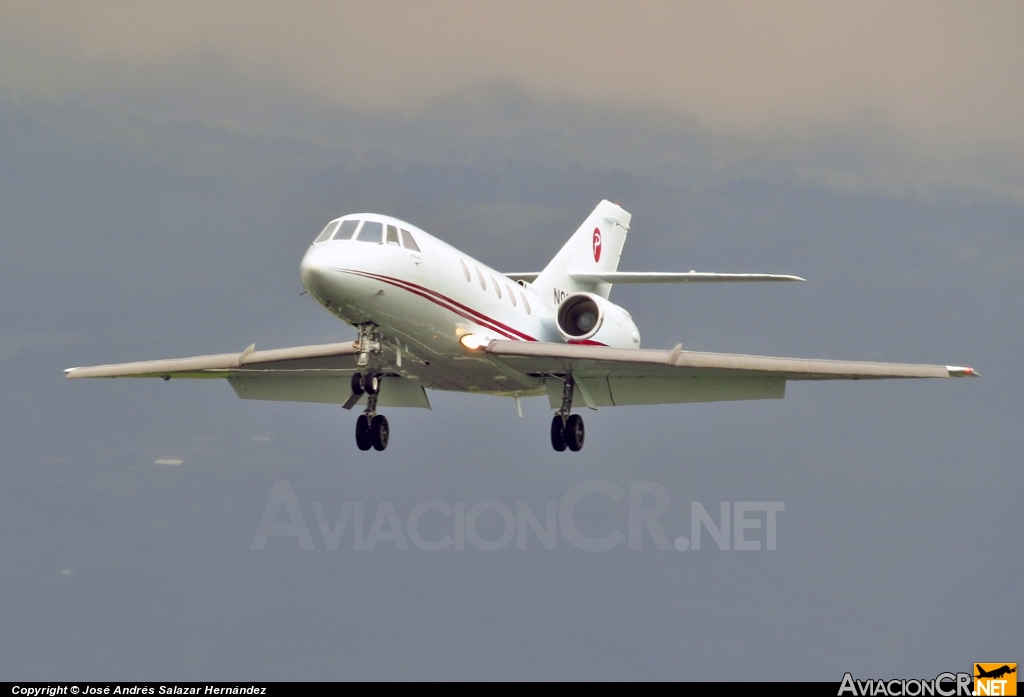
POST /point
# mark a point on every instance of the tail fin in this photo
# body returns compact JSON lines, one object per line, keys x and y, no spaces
{"x":596,"y":246}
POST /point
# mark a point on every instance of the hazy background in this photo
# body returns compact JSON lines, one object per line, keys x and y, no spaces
{"x":165,"y":165}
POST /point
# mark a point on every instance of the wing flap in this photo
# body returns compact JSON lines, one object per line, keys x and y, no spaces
{"x":277,"y":387}
{"x":621,"y":391}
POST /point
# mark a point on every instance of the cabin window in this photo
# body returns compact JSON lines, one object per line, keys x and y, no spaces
{"x":393,"y":236}
{"x":483,"y":281}
{"x":371,"y":232}
{"x":497,"y":288}
{"x":410,"y":243}
{"x":465,"y":270}
{"x":511,"y":296}
{"x":526,"y":303}
{"x":347,"y":229}
{"x":327,"y":232}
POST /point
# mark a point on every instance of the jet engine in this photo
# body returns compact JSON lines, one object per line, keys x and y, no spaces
{"x":585,"y":318}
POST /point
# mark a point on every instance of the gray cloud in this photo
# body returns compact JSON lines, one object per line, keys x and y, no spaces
{"x":940,"y":66}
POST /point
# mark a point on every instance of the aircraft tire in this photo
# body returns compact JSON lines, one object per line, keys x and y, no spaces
{"x":379,"y":432}
{"x":574,"y":432}
{"x":373,"y":385}
{"x":557,"y":434}
{"x":358,"y":383}
{"x":363,"y":433}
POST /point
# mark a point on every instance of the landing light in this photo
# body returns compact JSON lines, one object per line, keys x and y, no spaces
{"x":474,"y":341}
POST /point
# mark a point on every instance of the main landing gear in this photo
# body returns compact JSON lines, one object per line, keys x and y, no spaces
{"x":372,"y":430}
{"x":567,"y":429}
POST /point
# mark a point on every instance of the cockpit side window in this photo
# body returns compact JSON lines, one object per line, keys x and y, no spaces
{"x":410,"y":243}
{"x":393,"y":236}
{"x":347,"y":229}
{"x":327,"y":232}
{"x":371,"y":232}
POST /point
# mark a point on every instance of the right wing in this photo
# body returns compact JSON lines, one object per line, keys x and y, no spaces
{"x":610,"y":377}
{"x":324,"y":359}
{"x":318,"y":373}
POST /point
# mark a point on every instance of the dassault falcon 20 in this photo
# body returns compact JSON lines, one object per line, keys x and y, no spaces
{"x":429,"y":316}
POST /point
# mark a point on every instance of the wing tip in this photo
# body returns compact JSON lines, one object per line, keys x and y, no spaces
{"x":956,"y":371}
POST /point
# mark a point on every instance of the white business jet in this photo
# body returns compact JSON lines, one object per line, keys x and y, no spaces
{"x":429,"y":316}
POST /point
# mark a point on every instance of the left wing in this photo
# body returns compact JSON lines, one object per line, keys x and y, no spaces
{"x":687,"y":277}
{"x":609,"y":376}
{"x":659,"y":277}
{"x":318,"y":373}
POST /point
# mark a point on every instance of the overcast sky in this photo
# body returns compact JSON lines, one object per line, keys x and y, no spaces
{"x":166,"y":165}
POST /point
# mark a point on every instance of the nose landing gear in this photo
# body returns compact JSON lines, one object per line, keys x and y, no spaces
{"x":363,"y":384}
{"x":567,"y":429}
{"x":372,"y":429}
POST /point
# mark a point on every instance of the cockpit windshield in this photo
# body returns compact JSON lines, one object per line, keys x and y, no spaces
{"x":347,"y":229}
{"x":371,"y":232}
{"x":328,"y":231}
{"x":367,"y":231}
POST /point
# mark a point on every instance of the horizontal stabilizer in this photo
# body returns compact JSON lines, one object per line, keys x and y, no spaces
{"x":687,"y":277}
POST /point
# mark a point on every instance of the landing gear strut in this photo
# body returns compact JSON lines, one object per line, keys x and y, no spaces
{"x":372,"y":430}
{"x":567,"y":429}
{"x":369,"y":342}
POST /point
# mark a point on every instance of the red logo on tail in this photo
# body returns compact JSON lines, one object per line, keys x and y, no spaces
{"x":597,"y":244}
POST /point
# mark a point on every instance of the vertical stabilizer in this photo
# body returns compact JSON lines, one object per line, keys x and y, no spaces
{"x":596,"y":246}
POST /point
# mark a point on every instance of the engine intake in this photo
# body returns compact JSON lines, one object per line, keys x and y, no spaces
{"x":589,"y":318}
{"x":579,"y":316}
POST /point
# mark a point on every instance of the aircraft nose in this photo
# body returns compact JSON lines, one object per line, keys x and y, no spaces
{"x":313,"y":271}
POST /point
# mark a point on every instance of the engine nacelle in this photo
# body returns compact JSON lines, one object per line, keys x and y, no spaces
{"x":585,"y":318}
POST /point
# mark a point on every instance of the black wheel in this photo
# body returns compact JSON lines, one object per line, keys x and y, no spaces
{"x":557,"y":433}
{"x":373,"y":384}
{"x":574,"y":432}
{"x":358,"y":383}
{"x":379,"y":432}
{"x":363,"y":432}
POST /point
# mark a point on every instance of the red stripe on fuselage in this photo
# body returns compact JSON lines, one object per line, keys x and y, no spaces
{"x":456,"y":303}
{"x":449,"y":304}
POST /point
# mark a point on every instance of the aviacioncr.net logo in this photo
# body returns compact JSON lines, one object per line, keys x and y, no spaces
{"x":944,"y":685}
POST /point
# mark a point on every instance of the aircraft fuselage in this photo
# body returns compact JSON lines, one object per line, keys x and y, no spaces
{"x":423,"y":300}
